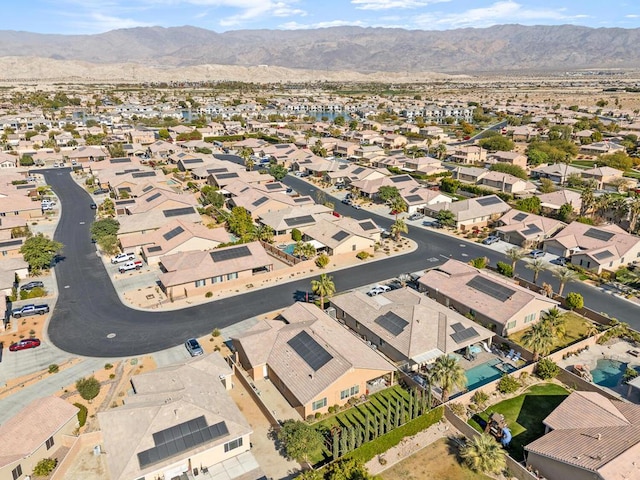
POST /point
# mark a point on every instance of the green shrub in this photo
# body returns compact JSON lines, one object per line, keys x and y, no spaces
{"x":88,"y":388}
{"x":322,"y":260}
{"x":574,"y":300}
{"x":318,"y":416}
{"x":53,"y":368}
{"x":108,"y":366}
{"x":363,"y":255}
{"x":629,"y":374}
{"x":296,"y":235}
{"x":82,"y":414}
{"x":547,"y":369}
{"x":216,"y":332}
{"x":44,"y":467}
{"x":504,"y":269}
{"x":208,"y":295}
{"x":508,"y":384}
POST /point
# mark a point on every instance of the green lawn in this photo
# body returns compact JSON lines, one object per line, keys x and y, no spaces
{"x":576,"y":330}
{"x":524,"y":414}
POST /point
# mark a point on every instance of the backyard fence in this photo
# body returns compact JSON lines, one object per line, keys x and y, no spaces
{"x":280,"y":254}
{"x":239,"y":373}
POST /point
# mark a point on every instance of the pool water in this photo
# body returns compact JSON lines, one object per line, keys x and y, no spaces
{"x":486,"y":372}
{"x":608,"y":373}
{"x":289,"y":248}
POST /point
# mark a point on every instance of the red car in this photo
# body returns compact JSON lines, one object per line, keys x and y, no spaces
{"x":24,"y":344}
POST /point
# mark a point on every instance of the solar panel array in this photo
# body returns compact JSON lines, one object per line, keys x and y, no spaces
{"x":599,"y":234}
{"x":413,"y":198}
{"x":273,"y":186}
{"x":147,"y":188}
{"x":464,"y":335}
{"x":486,"y":201}
{"x":172,"y":233}
{"x":180,"y":438}
{"x":302,"y":220}
{"x":153,"y":197}
{"x":520,"y":217}
{"x":154,"y":249}
{"x":358,"y":171}
{"x":176,"y":212}
{"x":491,"y":288}
{"x":11,"y":243}
{"x":404,"y":178}
{"x":230,"y":254}
{"x":224,"y":176}
{"x":603,"y":255}
{"x":341,"y":235}
{"x":28,"y":185}
{"x":457,"y":327}
{"x":192,"y":160}
{"x":392,"y":323}
{"x":310,"y":351}
{"x":260,"y":201}
{"x":143,"y":174}
{"x":532,"y":229}
{"x":217,"y":170}
{"x":301,"y":199}
{"x":368,"y":225}
{"x":120,"y":160}
{"x":125,"y":202}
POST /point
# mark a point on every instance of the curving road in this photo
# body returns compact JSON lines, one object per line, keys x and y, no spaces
{"x":89,"y":319}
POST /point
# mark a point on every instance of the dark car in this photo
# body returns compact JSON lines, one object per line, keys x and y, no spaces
{"x":100,"y":191}
{"x":193,"y":347}
{"x":93,"y":206}
{"x":24,"y":344}
{"x":27,"y":287}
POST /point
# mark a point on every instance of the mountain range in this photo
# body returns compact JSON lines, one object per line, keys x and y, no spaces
{"x":496,"y":49}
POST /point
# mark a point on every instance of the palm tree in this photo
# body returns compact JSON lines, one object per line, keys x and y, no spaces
{"x":304,"y":250}
{"x":404,"y":279}
{"x":448,"y":374}
{"x":557,"y":322}
{"x":265,"y":233}
{"x":591,"y":328}
{"x":515,"y":254}
{"x":588,"y":200}
{"x":564,"y":275}
{"x":483,"y":454}
{"x":441,"y":151}
{"x":399,"y":227}
{"x":634,"y":214}
{"x":536,"y":265}
{"x":539,"y":338}
{"x":397,"y":205}
{"x":324,"y":287}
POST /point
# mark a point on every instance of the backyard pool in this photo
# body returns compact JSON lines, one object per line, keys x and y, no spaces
{"x":288,"y":248}
{"x":608,"y":373}
{"x":487,"y":372}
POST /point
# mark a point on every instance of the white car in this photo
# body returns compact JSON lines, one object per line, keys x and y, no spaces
{"x":123,"y":257}
{"x":378,"y":289}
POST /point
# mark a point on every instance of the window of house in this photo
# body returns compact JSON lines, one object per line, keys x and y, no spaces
{"x":353,"y":248}
{"x":49,"y":443}
{"x":529,"y":318}
{"x":511,"y":324}
{"x":344,"y":394}
{"x":217,"y":279}
{"x":232,"y":276}
{"x":233,"y":444}
{"x":355,"y":390}
{"x":318,"y":404}
{"x":201,"y":283}
{"x":16,"y":472}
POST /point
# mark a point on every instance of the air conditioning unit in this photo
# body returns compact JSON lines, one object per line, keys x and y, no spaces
{"x":331,"y":311}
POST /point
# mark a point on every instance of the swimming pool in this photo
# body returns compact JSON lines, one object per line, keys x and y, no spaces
{"x":487,"y":372}
{"x":289,"y":248}
{"x":608,"y":373}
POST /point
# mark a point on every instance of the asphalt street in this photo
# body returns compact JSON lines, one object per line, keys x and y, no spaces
{"x":89,"y":319}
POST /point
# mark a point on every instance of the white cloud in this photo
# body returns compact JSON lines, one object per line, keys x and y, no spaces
{"x":332,"y":23}
{"x":99,"y":22}
{"x":500,"y":12}
{"x":632,"y":15}
{"x":395,"y":4}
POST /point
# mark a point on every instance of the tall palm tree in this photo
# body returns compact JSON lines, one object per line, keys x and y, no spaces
{"x":483,"y":454}
{"x":634,"y":214}
{"x":557,"y":322}
{"x":536,"y":265}
{"x":564,"y":276}
{"x":441,"y":151}
{"x":399,"y":227}
{"x":588,"y":200}
{"x":265,"y":233}
{"x":304,"y":250}
{"x":539,"y":338}
{"x":515,"y":254}
{"x":397,"y":205}
{"x":324,"y":287}
{"x":448,"y":374}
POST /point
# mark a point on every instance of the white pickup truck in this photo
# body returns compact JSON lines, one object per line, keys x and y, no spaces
{"x":131,"y":265}
{"x":123,"y":257}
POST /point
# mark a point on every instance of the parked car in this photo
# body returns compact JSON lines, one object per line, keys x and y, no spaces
{"x":491,"y":239}
{"x":130,"y":265}
{"x":378,"y":289}
{"x":562,"y":261}
{"x":100,"y":191}
{"x":193,"y":347}
{"x":432,"y":223}
{"x":93,"y":206}
{"x":27,"y":287}
{"x":346,"y":201}
{"x":416,"y":216}
{"x":28,"y":310}
{"x":24,"y":344}
{"x":123,"y":257}
{"x":356,"y":206}
{"x":537,"y":253}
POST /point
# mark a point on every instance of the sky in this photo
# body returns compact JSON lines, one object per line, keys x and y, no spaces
{"x":98,"y":16}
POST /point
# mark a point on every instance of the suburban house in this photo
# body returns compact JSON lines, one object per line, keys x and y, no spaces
{"x":408,"y":327}
{"x":369,"y":188}
{"x":147,"y":221}
{"x":179,"y":422}
{"x":258,"y":202}
{"x":311,"y":359}
{"x":526,"y":229}
{"x":87,"y":154}
{"x":473,"y":212}
{"x":285,"y":220}
{"x":469,"y":154}
{"x":603,"y":176}
{"x":44,"y":428}
{"x":193,"y":273}
{"x":490,"y":299}
{"x":588,"y":436}
{"x":10,"y":266}
{"x":503,"y":182}
{"x":512,"y":158}
{"x":604,"y":147}
{"x":557,"y":173}
{"x":336,"y":237}
{"x":419,"y":197}
{"x":469,"y":174}
{"x":552,"y":202}
{"x":523,"y":133}
{"x":605,"y":247}
{"x":15,"y":202}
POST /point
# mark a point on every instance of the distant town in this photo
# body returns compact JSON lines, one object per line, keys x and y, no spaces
{"x":243,"y":281}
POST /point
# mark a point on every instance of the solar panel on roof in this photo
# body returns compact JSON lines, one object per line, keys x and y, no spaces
{"x":464,"y":335}
{"x":154,"y":249}
{"x":180,"y":438}
{"x":392,"y":323}
{"x":260,"y":201}
{"x":192,"y":160}
{"x":341,"y":235}
{"x":368,"y":225}
{"x":358,"y":170}
{"x":520,"y":217}
{"x":230,"y":254}
{"x":175,"y":212}
{"x":310,"y":351}
{"x":147,"y":188}
{"x":28,"y":185}
{"x":599,"y":234}
{"x":11,"y":243}
{"x":172,"y":233}
{"x":143,"y":174}
{"x":491,"y":288}
{"x":125,"y":189}
{"x":603,"y":255}
{"x":404,"y":178}
{"x":301,"y":199}
{"x":413,"y":198}
{"x":302,"y":220}
{"x":486,"y":201}
{"x":531,"y":229}
{"x":125,"y":202}
{"x":457,"y":327}
{"x":273,"y":186}
{"x":120,"y":160}
{"x":224,"y":176}
{"x":153,"y":197}
{"x":217,"y":170}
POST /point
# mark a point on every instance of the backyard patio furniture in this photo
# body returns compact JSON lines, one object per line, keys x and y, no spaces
{"x":516,"y":357}
{"x":635,"y":353}
{"x":510,"y":354}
